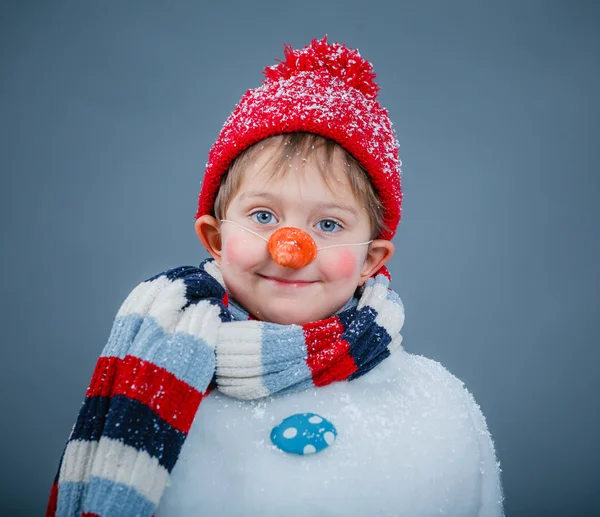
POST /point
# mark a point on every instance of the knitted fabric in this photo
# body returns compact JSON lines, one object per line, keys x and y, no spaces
{"x":173,"y":338}
{"x":325,"y":89}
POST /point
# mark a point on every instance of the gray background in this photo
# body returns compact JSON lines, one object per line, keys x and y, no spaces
{"x":107,"y":113}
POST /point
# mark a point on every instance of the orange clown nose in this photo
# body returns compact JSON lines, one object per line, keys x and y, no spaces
{"x":291,"y":247}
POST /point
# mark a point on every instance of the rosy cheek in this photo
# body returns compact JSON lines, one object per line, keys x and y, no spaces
{"x":344,"y":264}
{"x":240,"y":250}
{"x":232,"y":249}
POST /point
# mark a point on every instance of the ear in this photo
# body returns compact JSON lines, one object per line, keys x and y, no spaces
{"x":208,"y":230}
{"x":380,"y":251}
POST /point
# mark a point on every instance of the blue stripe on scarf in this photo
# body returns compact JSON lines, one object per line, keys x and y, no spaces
{"x":368,"y":341}
{"x":137,"y":426}
{"x":369,"y":365}
{"x":109,"y":498}
{"x":199,"y":285}
{"x":91,"y":419}
{"x":123,"y":332}
{"x":394,"y":297}
{"x":70,"y":497}
{"x":304,"y":385}
{"x":162,"y":442}
{"x":280,"y":344}
{"x":146,"y":339}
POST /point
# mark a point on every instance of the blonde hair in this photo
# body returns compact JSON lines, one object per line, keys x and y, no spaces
{"x":304,"y":144}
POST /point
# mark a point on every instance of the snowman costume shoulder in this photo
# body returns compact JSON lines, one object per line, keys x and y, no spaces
{"x":411,"y":441}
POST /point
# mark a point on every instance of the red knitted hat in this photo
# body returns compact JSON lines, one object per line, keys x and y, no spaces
{"x":326,"y":89}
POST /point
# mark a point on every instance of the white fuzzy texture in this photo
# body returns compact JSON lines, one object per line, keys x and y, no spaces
{"x":161,"y":299}
{"x":411,"y":442}
{"x":239,"y":360}
{"x":201,"y":320}
{"x":119,"y":463}
{"x":142,"y":297}
{"x":395,"y":343}
{"x":247,"y":389}
{"x":377,"y":294}
{"x":214,"y":270}
{"x":238,"y":351}
{"x":166,"y":309}
{"x":390,"y":316}
{"x":76,"y":460}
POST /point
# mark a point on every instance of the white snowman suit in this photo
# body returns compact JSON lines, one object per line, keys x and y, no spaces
{"x":411,"y":442}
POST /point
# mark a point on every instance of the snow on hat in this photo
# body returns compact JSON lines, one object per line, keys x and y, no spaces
{"x":326,"y":89}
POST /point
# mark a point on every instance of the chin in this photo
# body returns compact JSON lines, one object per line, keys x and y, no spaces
{"x":288,"y":319}
{"x":282,"y":316}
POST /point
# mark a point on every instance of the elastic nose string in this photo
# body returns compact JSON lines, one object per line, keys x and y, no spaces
{"x":340,"y":245}
{"x":244,"y":228}
{"x":318,"y":249}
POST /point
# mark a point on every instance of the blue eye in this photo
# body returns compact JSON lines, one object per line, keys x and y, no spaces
{"x":263,"y":217}
{"x":329,"y":225}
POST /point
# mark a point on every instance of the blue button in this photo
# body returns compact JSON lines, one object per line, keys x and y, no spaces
{"x":304,"y":433}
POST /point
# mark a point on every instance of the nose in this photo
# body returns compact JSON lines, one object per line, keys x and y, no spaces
{"x":292,"y":247}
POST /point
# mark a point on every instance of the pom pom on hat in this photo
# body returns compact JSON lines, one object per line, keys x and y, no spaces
{"x":338,"y":60}
{"x":326,"y":89}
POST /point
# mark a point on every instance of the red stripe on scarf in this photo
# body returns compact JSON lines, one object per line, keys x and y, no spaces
{"x":53,"y":500}
{"x":328,"y":357}
{"x":173,"y":400}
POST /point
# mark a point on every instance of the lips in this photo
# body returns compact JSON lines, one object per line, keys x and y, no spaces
{"x":287,"y":281}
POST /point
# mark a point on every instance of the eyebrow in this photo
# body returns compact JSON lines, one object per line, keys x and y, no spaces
{"x":329,"y":206}
{"x":322,"y":206}
{"x":253,"y":193}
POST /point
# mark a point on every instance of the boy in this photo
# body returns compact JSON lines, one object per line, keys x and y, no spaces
{"x":316,"y":408}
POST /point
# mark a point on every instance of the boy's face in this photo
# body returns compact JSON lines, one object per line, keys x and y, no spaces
{"x":299,"y":197}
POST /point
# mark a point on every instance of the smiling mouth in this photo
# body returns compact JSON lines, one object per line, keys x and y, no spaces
{"x":287,"y":282}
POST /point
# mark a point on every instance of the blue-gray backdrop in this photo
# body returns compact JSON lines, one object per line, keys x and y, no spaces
{"x":108,"y":110}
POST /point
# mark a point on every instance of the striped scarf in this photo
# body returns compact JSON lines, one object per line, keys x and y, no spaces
{"x":173,"y":339}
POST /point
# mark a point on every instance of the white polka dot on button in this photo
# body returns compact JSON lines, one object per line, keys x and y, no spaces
{"x":290,"y":432}
{"x":309,"y":449}
{"x":315,"y":419}
{"x":329,"y":437}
